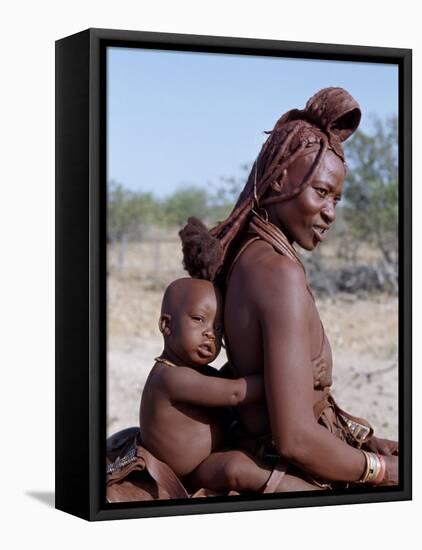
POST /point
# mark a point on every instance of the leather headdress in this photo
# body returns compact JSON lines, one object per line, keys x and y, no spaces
{"x":333,"y":111}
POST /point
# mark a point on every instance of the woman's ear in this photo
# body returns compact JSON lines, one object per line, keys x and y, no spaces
{"x":278,"y":185}
{"x":164,"y":324}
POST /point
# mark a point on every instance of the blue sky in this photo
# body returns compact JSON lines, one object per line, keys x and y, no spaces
{"x":181,"y":118}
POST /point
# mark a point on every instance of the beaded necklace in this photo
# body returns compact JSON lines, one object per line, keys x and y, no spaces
{"x":165,"y":362}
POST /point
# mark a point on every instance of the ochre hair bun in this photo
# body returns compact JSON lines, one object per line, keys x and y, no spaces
{"x":335,"y":111}
{"x":202,"y":253}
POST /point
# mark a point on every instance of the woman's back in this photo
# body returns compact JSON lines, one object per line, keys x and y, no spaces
{"x":249,"y":296}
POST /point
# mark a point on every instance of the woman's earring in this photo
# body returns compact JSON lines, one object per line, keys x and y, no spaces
{"x":263,"y":214}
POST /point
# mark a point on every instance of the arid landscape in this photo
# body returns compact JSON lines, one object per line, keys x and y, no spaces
{"x":363,"y":332}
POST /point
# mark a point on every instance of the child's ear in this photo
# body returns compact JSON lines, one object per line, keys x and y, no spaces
{"x":164,"y":324}
{"x":279,"y":184}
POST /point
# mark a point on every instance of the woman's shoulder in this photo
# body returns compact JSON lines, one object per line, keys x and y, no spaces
{"x":271,"y":281}
{"x":262,"y":264}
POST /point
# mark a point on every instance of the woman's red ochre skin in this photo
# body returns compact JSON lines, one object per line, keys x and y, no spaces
{"x":180,"y":413}
{"x":273,"y":328}
{"x":306,"y":218}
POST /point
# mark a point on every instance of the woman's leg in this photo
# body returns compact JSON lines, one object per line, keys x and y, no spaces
{"x":238,"y":471}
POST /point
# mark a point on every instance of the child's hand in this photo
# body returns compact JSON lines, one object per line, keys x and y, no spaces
{"x":320,"y":372}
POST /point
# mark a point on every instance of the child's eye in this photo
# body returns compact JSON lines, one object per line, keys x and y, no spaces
{"x":321,"y":191}
{"x":197,"y":318}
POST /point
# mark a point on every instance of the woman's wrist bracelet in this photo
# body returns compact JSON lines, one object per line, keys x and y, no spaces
{"x":381,"y":476}
{"x":375,"y":468}
{"x":364,"y":476}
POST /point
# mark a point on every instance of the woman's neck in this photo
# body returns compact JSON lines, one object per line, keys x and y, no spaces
{"x":273,"y":219}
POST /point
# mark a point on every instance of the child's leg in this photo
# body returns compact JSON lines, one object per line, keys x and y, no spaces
{"x":230,"y":470}
{"x":237,"y":471}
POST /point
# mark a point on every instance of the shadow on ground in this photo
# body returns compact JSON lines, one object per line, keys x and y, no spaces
{"x":46,"y":497}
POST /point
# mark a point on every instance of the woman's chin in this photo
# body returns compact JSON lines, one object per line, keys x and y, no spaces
{"x":308,"y":245}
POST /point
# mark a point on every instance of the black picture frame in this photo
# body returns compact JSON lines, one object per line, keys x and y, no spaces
{"x":81,"y":270}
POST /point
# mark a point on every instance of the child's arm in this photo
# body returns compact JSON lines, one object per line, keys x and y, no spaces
{"x":254,"y":384}
{"x":185,"y":385}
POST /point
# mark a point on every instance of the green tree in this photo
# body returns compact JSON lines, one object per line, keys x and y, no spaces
{"x":371,"y":188}
{"x":186,"y":201}
{"x":128,"y":213}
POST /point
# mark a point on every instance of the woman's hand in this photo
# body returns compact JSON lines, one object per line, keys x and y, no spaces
{"x":391,"y":471}
{"x":381,"y":446}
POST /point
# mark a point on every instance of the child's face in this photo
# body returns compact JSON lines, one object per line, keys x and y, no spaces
{"x":196,"y":327}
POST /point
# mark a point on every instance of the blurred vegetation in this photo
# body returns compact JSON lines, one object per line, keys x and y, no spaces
{"x":371,"y":188}
{"x":131,"y":214}
{"x":367,"y":216}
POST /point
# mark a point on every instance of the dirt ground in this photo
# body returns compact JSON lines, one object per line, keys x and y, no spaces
{"x":363,"y":334}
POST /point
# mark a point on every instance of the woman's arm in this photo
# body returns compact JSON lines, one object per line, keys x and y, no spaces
{"x":284,"y":308}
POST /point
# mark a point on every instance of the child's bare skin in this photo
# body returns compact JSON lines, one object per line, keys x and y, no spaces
{"x":183,"y":396}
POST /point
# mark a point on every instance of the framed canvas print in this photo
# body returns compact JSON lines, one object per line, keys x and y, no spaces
{"x":233,"y":276}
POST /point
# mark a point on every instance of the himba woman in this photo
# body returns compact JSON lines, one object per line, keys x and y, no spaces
{"x":272,"y":325}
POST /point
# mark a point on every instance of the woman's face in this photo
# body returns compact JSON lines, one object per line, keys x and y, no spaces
{"x":307,"y":217}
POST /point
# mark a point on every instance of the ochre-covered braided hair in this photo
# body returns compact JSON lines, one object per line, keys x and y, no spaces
{"x":329,"y":118}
